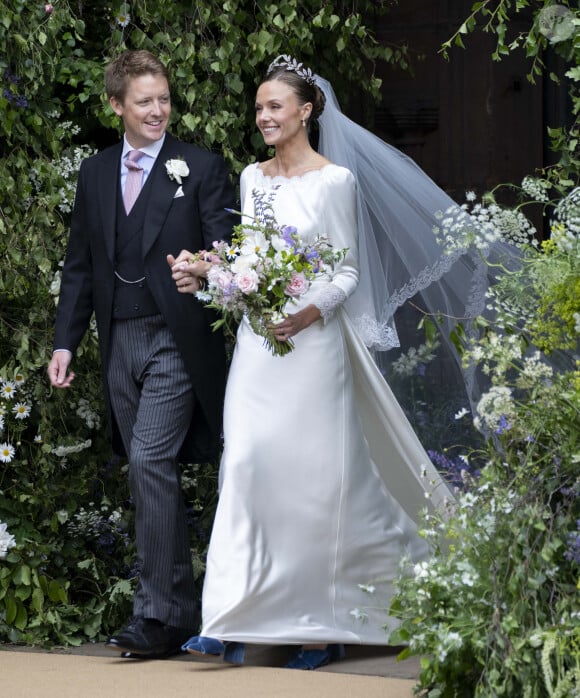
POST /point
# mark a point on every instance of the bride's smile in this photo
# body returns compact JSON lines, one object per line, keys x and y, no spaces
{"x":279,"y":116}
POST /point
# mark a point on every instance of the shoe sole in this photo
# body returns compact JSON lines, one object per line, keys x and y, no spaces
{"x":127,"y":653}
{"x":204,"y":655}
{"x":212,"y":657}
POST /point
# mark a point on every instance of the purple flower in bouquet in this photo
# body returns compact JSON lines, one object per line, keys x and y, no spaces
{"x":288,"y":231}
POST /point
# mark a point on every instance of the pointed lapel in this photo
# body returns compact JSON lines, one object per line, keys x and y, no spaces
{"x":107,"y":185}
{"x":161,"y":194}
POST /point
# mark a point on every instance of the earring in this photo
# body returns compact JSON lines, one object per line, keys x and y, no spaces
{"x":303,"y":123}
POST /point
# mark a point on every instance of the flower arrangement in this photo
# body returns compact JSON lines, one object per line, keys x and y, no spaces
{"x":263,"y":271}
{"x":494,"y":610}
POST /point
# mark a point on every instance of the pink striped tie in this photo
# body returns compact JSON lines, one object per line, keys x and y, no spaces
{"x":134,"y":179}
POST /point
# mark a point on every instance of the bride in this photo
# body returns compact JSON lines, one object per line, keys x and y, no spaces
{"x":322,"y":477}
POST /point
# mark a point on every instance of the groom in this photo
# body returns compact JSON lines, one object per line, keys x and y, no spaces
{"x":138,"y":205}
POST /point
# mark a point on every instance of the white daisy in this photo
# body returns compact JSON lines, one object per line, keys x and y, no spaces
{"x":6,"y":452}
{"x":8,"y":389}
{"x":123,"y":17}
{"x":21,"y":410}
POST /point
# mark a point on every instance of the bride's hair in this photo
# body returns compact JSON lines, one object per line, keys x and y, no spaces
{"x":300,"y":79}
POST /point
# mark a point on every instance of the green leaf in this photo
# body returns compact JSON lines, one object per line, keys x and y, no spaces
{"x":37,"y":600}
{"x":191,"y":121}
{"x":56,"y":593}
{"x":21,"y":617}
{"x":22,"y":575}
{"x":11,"y":610}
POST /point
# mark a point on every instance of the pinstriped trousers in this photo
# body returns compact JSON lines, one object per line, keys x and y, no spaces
{"x":152,"y":399}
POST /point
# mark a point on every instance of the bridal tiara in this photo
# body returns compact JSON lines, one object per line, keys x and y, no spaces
{"x":292,"y":65}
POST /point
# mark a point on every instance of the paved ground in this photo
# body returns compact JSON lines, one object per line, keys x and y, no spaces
{"x":91,"y":671}
{"x":361,"y":660}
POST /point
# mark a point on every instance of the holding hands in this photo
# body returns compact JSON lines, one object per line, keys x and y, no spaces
{"x":189,"y":271}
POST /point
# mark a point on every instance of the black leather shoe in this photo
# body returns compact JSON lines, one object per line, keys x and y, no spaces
{"x":148,"y":638}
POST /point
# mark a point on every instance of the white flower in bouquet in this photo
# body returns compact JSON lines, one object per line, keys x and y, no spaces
{"x":263,"y":271}
{"x":243,"y":263}
{"x":255,"y":244}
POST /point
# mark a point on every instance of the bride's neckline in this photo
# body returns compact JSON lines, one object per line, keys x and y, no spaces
{"x":302,"y":176}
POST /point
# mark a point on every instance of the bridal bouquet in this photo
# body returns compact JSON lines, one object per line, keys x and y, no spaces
{"x":265,"y":268}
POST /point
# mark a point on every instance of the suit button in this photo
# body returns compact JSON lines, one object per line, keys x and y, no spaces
{"x":135,"y":307}
{"x":141,"y":285}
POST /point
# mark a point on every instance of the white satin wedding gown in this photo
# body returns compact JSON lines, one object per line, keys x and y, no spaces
{"x":322,"y":477}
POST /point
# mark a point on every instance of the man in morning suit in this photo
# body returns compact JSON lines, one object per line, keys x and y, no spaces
{"x":138,"y":205}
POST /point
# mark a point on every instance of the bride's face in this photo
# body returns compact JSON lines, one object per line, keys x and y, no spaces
{"x":278,"y":113}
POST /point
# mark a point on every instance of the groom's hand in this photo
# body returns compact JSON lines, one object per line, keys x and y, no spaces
{"x":58,"y":367}
{"x":185,"y":273}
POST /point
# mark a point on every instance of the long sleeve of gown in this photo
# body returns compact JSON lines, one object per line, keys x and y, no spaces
{"x":340,"y":227}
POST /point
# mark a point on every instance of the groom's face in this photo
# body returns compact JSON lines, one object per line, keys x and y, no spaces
{"x":145,"y":110}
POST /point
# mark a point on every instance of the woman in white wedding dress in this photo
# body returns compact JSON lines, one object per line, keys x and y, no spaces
{"x":322,"y":477}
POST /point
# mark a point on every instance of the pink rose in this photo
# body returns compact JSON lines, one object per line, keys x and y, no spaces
{"x":297,"y":286}
{"x":247,"y":281}
{"x":220,"y":277}
{"x":48,"y":8}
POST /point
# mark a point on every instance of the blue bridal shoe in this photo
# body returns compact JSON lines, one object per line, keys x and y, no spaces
{"x":313,"y":659}
{"x":233,"y":652}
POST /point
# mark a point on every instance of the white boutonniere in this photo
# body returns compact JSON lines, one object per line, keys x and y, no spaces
{"x":176,"y":169}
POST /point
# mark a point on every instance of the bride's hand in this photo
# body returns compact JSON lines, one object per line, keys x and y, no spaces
{"x":293,"y":324}
{"x":188,"y":275}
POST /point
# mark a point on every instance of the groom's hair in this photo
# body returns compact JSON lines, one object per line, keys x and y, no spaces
{"x":129,"y":65}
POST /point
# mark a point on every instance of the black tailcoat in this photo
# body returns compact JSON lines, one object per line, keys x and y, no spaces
{"x":192,"y":221}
